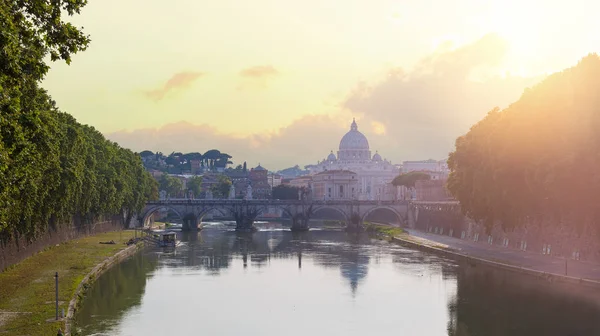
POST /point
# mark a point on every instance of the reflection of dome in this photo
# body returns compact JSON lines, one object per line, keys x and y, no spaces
{"x":331,"y":157}
{"x":354,"y":139}
{"x":377,"y":157}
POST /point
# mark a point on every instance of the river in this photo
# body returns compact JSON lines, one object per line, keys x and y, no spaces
{"x":323,"y":282}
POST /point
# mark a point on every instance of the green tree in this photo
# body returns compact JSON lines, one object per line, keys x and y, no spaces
{"x":194,"y":184}
{"x":221,"y":188}
{"x":146,"y":153}
{"x":53,"y":170}
{"x":410,"y":179}
{"x":172,"y":185}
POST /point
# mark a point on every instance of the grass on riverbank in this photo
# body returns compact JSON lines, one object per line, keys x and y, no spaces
{"x":27,"y":290}
{"x":384,"y":230}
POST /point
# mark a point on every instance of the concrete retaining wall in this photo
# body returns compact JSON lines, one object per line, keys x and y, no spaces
{"x":550,"y":277}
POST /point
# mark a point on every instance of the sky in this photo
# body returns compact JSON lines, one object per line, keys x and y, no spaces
{"x":278,"y":82}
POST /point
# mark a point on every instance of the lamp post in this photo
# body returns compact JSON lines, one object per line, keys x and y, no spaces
{"x":56,"y":283}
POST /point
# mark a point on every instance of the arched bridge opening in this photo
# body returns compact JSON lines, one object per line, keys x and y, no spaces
{"x":383,"y":215}
{"x":161,"y":216}
{"x":215,"y":216}
{"x":328,"y":216}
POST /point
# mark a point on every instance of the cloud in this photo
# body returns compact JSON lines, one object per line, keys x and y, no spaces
{"x":426,"y":109}
{"x":257,"y":77}
{"x":178,"y":81}
{"x":408,"y":115}
{"x":259,"y":71}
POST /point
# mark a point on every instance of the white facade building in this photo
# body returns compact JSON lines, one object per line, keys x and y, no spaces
{"x":425,"y":166}
{"x":374,"y":174}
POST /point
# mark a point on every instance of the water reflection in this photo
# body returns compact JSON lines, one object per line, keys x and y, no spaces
{"x":116,"y":293}
{"x":329,"y":281}
{"x":492,"y":302}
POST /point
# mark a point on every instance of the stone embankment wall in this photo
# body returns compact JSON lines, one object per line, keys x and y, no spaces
{"x":16,"y":250}
{"x":89,"y":279}
{"x":543,"y":235}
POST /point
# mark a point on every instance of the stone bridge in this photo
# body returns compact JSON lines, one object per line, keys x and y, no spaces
{"x":245,"y":212}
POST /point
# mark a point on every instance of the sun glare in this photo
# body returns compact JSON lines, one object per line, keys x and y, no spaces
{"x":519,"y":26}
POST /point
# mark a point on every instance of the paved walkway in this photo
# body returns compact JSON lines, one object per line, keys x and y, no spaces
{"x":507,"y":255}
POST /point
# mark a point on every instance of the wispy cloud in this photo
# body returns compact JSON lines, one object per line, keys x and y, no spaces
{"x":257,"y":77}
{"x":259,"y":71}
{"x":178,"y":81}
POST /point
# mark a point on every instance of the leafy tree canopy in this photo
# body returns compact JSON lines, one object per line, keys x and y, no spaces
{"x":194,"y":184}
{"x":146,"y":153}
{"x":53,"y":169}
{"x":410,"y":179}
{"x":538,"y":157}
{"x":221,"y":188}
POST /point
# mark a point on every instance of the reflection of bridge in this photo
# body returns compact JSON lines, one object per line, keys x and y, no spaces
{"x":245,"y":212}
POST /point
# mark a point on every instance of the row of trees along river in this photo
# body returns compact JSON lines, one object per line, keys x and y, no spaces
{"x":534,"y":165}
{"x":51,"y":167}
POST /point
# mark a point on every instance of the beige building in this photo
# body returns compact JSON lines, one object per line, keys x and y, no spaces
{"x":335,"y":185}
{"x":301,"y":182}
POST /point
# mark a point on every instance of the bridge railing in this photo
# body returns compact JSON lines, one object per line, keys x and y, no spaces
{"x":183,"y":201}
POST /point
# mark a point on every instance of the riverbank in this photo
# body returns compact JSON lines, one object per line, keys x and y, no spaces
{"x":27,"y":289}
{"x":551,"y":269}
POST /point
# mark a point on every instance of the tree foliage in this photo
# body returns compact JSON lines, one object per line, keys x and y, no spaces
{"x":221,"y":188}
{"x":538,"y":157}
{"x":52,"y":168}
{"x":172,"y":185}
{"x":194,"y":184}
{"x":179,"y":163}
{"x":410,"y":179}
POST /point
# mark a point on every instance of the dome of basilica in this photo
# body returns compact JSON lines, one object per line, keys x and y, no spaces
{"x":377,"y":157}
{"x":354,"y":140}
{"x":331,"y":157}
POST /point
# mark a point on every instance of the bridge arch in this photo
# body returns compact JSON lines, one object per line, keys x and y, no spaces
{"x":152,"y":209}
{"x":345,"y":216}
{"x":399,"y":216}
{"x":205,"y":211}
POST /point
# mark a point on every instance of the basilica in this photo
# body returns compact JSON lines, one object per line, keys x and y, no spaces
{"x":354,"y":173}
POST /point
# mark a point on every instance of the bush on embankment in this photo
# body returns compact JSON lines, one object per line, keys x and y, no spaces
{"x":53,"y":171}
{"x":383,"y":230}
{"x":533,"y":166}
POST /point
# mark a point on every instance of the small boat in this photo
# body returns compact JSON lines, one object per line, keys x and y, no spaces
{"x":165,"y":238}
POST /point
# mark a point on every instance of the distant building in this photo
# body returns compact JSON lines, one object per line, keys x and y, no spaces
{"x":240,"y":180}
{"x":260,"y":183}
{"x":425,"y":166}
{"x":195,"y":166}
{"x":274,"y":180}
{"x":432,"y":190}
{"x":335,"y":185}
{"x":373,"y":173}
{"x":301,"y":181}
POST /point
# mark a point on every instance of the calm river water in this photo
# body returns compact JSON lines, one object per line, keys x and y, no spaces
{"x":274,"y":282}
